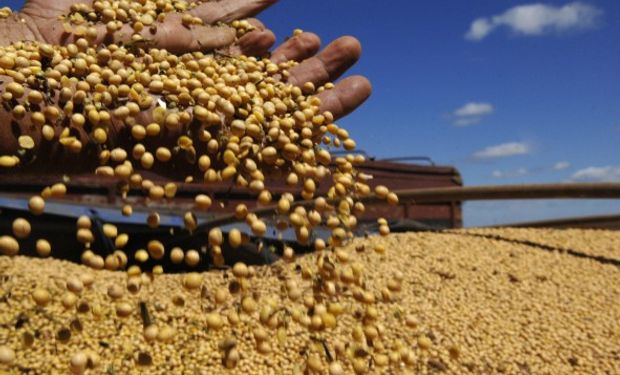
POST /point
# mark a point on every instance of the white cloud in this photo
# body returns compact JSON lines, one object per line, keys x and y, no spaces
{"x":462,"y":122}
{"x":538,"y":19}
{"x":503,"y":150}
{"x":471,"y":113}
{"x":474,"y":109}
{"x":480,"y":28}
{"x":511,"y":174}
{"x":608,"y":173}
{"x":561,"y":165}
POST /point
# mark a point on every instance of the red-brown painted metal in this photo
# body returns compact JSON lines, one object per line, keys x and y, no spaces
{"x":97,"y":190}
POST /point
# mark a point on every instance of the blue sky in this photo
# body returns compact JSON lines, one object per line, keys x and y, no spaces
{"x":542,"y":88}
{"x":529,"y":96}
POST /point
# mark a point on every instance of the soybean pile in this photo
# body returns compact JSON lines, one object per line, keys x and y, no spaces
{"x":451,"y":302}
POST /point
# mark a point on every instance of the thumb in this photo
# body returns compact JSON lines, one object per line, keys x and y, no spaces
{"x":230,"y":10}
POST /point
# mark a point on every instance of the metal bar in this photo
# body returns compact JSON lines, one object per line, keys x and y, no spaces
{"x":501,"y":192}
{"x":458,"y":194}
{"x":411,"y":158}
{"x":599,"y":221}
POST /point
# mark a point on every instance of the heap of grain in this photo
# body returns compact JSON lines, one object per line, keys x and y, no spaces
{"x":453,"y":302}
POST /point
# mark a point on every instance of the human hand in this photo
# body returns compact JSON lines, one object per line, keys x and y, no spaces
{"x":42,"y":20}
{"x":317,"y":68}
{"x":326,"y":66}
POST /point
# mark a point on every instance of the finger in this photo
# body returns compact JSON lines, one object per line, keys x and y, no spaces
{"x":255,"y":43}
{"x":258,"y":25}
{"x":329,"y":64}
{"x":230,"y":10}
{"x":297,"y":48}
{"x":347,"y":95}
